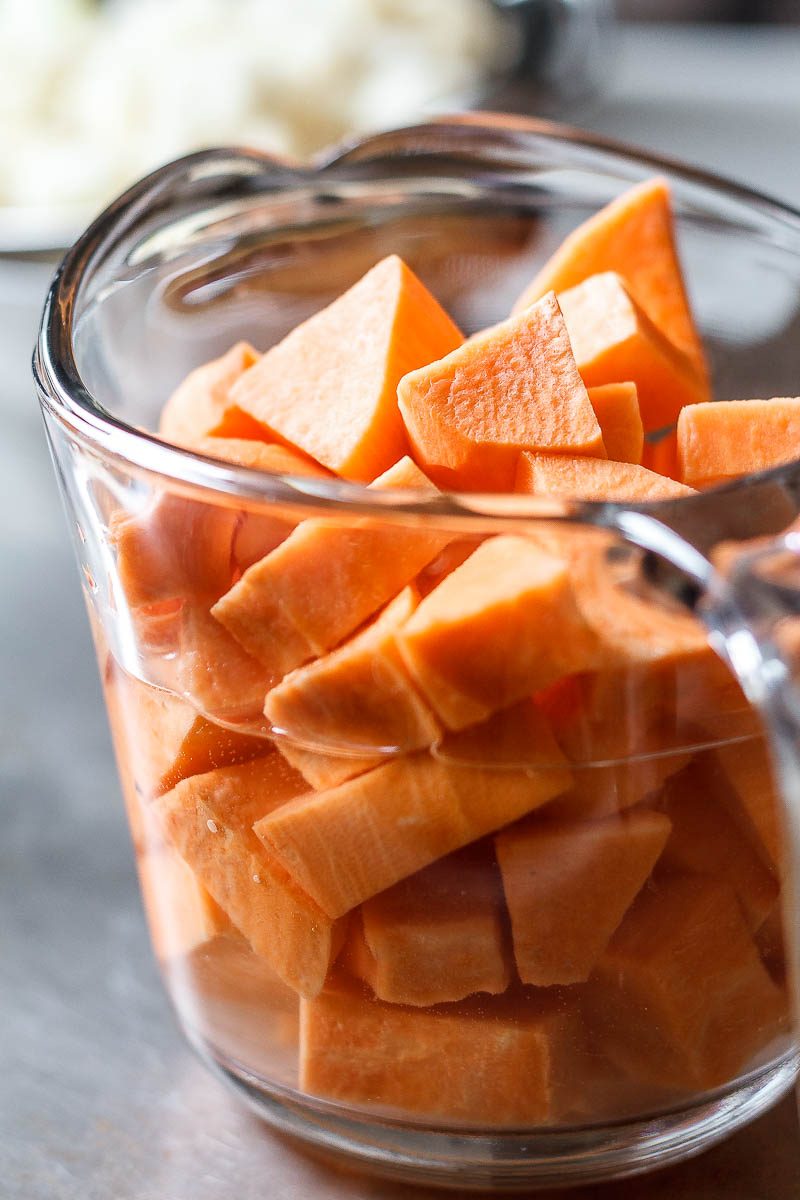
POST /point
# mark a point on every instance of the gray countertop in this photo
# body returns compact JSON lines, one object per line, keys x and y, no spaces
{"x":100,"y":1098}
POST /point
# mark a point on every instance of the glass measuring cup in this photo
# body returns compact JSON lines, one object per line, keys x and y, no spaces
{"x":493,"y":1073}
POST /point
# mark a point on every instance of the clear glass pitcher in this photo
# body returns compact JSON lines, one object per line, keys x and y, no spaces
{"x":402,"y":994}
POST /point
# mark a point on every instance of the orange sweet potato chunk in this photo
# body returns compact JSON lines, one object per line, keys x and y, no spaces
{"x":326,"y":770}
{"x":634,"y":236}
{"x":214,"y":672}
{"x":325,"y":580}
{"x":345,"y":845}
{"x":681,"y":996}
{"x":436,"y":936}
{"x":209,"y":820}
{"x":613,"y":339}
{"x":511,"y":388}
{"x":720,"y":441}
{"x":519,"y":736}
{"x":569,"y":884}
{"x":181,"y":914}
{"x":616,"y":406}
{"x":329,"y":388}
{"x":501,"y":626}
{"x":207,"y":747}
{"x":358,"y":697}
{"x":200,"y":407}
{"x":487,"y":1062}
{"x":747,"y":767}
{"x":706,"y":839}
{"x":176,"y":547}
{"x":593,"y":479}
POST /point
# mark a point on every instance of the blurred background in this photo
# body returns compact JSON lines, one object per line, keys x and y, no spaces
{"x":91,"y":96}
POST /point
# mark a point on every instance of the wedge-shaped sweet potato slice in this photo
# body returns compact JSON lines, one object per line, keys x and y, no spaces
{"x":680,"y":996}
{"x":634,"y":236}
{"x":257,"y":531}
{"x":214,"y":672}
{"x":592,"y":479}
{"x":329,"y":388}
{"x":501,"y":626}
{"x":181,"y":914}
{"x":613,"y":339}
{"x":326,"y":769}
{"x":436,"y":936}
{"x":209,"y":820}
{"x":569,"y":884}
{"x":488,"y":1062}
{"x":721,"y":441}
{"x":514,"y":387}
{"x":177,"y":547}
{"x":517,"y":737}
{"x":201,"y":407}
{"x":358,"y":697}
{"x":325,"y":580}
{"x":616,"y":406}
{"x":706,"y":839}
{"x":747,"y":767}
{"x":345,"y":845}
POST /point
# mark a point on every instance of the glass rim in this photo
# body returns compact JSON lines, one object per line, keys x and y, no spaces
{"x":63,"y":393}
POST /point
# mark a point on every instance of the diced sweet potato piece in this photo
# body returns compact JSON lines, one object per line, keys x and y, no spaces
{"x":181,"y":915}
{"x":207,"y":747}
{"x":634,"y":236}
{"x":176,"y":547}
{"x":351,"y":842}
{"x":329,"y":388}
{"x":721,"y":441}
{"x":569,"y":884}
{"x":681,"y":996}
{"x":514,"y":387}
{"x":325,"y":580}
{"x":257,"y":531}
{"x":517,"y":737}
{"x":227,"y":994}
{"x":209,"y":820}
{"x":749,"y":770}
{"x":485,"y":1062}
{"x":434,"y":937}
{"x":616,"y":406}
{"x":213,"y":670}
{"x":358,"y":697}
{"x":200,"y":406}
{"x":613,"y":339}
{"x":502,"y":625}
{"x":323,"y":770}
{"x":592,"y":479}
{"x":706,"y":839}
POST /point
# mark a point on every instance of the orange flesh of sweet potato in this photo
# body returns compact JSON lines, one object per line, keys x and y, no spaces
{"x":747,"y":767}
{"x":569,"y":884}
{"x":201,"y":404}
{"x":434,"y":937}
{"x":681,"y":996}
{"x":518,"y":737}
{"x":357,"y":697}
{"x":592,"y":479}
{"x":209,"y":819}
{"x":177,"y":547}
{"x":502,"y":625}
{"x":207,"y":747}
{"x":602,"y":791}
{"x":613,"y":339}
{"x":479,"y":1061}
{"x":329,"y":388}
{"x":511,"y":388}
{"x":661,"y":456}
{"x":215,"y":673}
{"x":616,"y":406}
{"x":181,"y":915}
{"x":723,"y":440}
{"x":634,"y":236}
{"x":323,"y":770}
{"x":325,"y":580}
{"x":706,"y":839}
{"x":345,"y":845}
